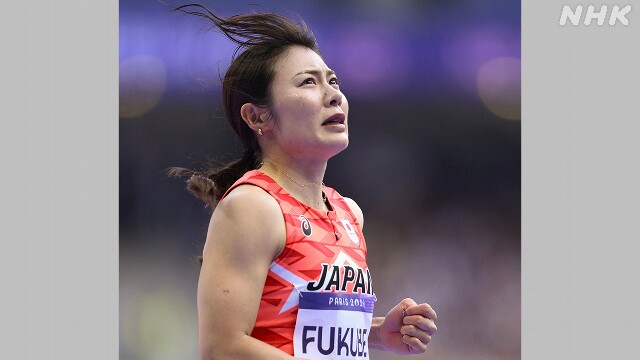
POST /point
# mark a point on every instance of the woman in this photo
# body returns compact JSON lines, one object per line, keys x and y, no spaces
{"x":284,"y":268}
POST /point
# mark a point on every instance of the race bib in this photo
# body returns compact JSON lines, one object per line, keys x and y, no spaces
{"x":333,"y":326}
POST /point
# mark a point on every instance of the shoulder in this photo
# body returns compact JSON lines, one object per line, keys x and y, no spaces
{"x":355,"y":209}
{"x":248,"y":197}
{"x":249,"y":216}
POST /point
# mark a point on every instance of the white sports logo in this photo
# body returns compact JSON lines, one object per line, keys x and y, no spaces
{"x":350,"y":231}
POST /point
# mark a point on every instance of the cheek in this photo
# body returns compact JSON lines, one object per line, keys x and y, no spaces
{"x":299,"y":106}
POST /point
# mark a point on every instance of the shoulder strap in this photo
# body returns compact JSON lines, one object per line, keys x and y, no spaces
{"x":253,"y":177}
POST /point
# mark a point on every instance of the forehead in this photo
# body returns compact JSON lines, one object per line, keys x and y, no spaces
{"x":297,"y":59}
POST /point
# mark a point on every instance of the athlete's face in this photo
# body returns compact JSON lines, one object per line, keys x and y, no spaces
{"x":310,"y":112}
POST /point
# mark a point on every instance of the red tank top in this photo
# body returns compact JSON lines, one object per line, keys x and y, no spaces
{"x":324,"y":252}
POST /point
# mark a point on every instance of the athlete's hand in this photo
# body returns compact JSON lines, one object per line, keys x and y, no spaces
{"x":408,"y":331}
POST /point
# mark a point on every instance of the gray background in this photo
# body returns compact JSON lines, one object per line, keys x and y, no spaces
{"x":58,"y":180}
{"x":580,"y":209}
{"x":59,"y":224}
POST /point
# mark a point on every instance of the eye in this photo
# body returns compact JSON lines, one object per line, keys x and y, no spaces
{"x":309,"y":81}
{"x":334,"y":81}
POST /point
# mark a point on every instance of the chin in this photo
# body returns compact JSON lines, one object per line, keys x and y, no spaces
{"x":324,"y":148}
{"x":338,"y":147}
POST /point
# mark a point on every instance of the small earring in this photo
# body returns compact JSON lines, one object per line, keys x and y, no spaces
{"x":260,"y":132}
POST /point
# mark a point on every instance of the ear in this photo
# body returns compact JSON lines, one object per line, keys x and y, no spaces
{"x":256,"y":117}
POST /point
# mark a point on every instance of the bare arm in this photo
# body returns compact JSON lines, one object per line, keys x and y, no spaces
{"x":245,"y":234}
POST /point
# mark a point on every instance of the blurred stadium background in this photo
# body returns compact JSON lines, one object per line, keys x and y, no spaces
{"x":434,"y":161}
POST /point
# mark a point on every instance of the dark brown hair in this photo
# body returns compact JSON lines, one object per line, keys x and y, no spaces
{"x":261,"y":39}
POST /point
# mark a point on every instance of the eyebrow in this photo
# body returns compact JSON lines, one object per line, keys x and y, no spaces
{"x":315,"y":72}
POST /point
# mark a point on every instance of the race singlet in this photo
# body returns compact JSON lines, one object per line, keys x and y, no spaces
{"x":333,"y":326}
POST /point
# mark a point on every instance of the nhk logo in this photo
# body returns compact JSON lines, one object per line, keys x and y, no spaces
{"x":616,"y":14}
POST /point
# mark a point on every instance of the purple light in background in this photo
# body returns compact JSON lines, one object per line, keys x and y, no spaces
{"x":372,"y":58}
{"x":471,"y":48}
{"x":499,"y":87}
{"x":142,"y":84}
{"x":190,"y":53}
{"x":369,"y":62}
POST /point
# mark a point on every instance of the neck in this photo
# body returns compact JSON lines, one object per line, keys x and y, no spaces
{"x":301,"y":179}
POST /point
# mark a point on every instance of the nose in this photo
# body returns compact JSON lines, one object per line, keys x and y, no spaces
{"x":333,"y":96}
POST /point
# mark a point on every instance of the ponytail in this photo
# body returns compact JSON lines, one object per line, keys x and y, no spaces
{"x":210,"y":184}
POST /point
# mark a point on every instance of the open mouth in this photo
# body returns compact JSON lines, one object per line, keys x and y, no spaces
{"x":335,"y":119}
